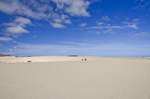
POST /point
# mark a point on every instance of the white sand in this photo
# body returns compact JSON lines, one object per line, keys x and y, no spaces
{"x":13,"y":59}
{"x":71,"y":78}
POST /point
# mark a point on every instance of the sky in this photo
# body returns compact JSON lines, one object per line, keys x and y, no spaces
{"x":111,"y":28}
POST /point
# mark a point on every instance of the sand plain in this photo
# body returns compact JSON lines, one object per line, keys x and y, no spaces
{"x":71,"y":78}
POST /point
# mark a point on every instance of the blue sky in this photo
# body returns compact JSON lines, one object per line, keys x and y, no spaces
{"x":84,"y":27}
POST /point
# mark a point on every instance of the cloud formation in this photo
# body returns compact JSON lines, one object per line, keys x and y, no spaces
{"x":5,"y":39}
{"x":17,"y":26}
{"x":83,"y":24}
{"x":104,"y":27}
{"x":73,"y":7}
{"x":60,"y":20}
{"x":78,"y":48}
{"x":105,"y":18}
{"x":57,"y":25}
{"x":45,"y":10}
{"x":20,"y":8}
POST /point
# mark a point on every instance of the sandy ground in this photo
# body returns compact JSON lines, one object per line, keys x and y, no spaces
{"x":13,"y":59}
{"x":71,"y":78}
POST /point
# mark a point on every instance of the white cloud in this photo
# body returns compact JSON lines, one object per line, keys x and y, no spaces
{"x":59,"y":20}
{"x":68,"y":21}
{"x":106,"y":27}
{"x":15,"y":30}
{"x":77,"y":48}
{"x":78,"y":8}
{"x":74,"y":7}
{"x":83,"y":24}
{"x":115,"y":27}
{"x":142,"y":35}
{"x":17,"y":26}
{"x":5,"y":39}
{"x":43,"y":9}
{"x":105,"y":18}
{"x":22,"y":21}
{"x":133,"y":23}
{"x":57,"y":25}
{"x":99,"y":23}
{"x":133,"y":26}
{"x":38,"y":49}
{"x":17,"y":7}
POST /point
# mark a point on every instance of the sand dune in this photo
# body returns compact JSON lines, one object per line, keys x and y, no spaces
{"x":70,"y":78}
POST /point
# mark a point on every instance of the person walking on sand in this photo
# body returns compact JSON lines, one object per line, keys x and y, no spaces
{"x":84,"y":59}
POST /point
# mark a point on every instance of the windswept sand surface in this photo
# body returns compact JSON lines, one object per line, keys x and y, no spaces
{"x":71,"y":78}
{"x":13,"y":59}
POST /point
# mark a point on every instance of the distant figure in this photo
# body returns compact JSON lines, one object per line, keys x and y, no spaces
{"x":84,"y":59}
